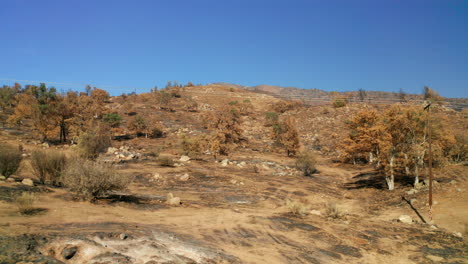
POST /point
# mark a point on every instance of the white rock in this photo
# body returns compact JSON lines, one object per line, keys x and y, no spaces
{"x":243,"y":163}
{"x":457,"y":234}
{"x":412,"y":191}
{"x":315,"y":212}
{"x":10,"y":180}
{"x":184,"y":177}
{"x":156,"y":176}
{"x":233,"y":181}
{"x":184,"y":158}
{"x":111,"y":150}
{"x":225,"y":162}
{"x":28,"y":182}
{"x":405,"y":219}
{"x":2,"y":178}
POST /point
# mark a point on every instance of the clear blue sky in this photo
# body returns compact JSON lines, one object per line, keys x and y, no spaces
{"x":331,"y":45}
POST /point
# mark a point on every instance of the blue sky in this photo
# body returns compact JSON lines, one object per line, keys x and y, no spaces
{"x":331,"y":45}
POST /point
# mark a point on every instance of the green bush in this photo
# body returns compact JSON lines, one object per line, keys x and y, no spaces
{"x":48,"y":166}
{"x":271,"y":118}
{"x":306,"y":163}
{"x":90,"y":144}
{"x":113,"y":119}
{"x":90,"y":180}
{"x":10,"y":159}
{"x":339,"y":102}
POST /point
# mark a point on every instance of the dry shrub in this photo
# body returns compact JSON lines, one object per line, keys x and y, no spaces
{"x":284,"y":106}
{"x":166,"y":161}
{"x":334,"y":211}
{"x":25,"y":202}
{"x":90,"y":144}
{"x":297,"y":207}
{"x":306,"y":163}
{"x":10,"y":159}
{"x":193,"y":146}
{"x":48,"y":166}
{"x":90,"y":179}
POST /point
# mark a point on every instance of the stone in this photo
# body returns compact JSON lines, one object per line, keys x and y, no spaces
{"x":315,"y":212}
{"x":433,"y":227}
{"x":10,"y":180}
{"x":111,"y":150}
{"x":184,"y":177}
{"x":435,"y":258}
{"x":184,"y":158}
{"x":225,"y":162}
{"x":69,"y":252}
{"x":453,"y":182}
{"x":156,"y":176}
{"x":45,"y":145}
{"x":413,"y":201}
{"x":243,"y":163}
{"x":171,"y":200}
{"x":27,"y":182}
{"x":457,"y":234}
{"x":412,"y":191}
{"x":24,"y":155}
{"x":2,"y":178}
{"x":406,"y":219}
{"x":123,"y":236}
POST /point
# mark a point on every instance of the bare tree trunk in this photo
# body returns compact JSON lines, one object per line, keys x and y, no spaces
{"x":391,"y":179}
{"x":407,"y":170}
{"x":416,"y":175}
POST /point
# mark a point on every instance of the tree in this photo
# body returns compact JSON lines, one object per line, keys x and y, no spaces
{"x":431,"y":95}
{"x":402,"y":95}
{"x":362,"y":94}
{"x":286,"y":135}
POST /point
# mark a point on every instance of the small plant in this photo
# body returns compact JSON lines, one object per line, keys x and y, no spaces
{"x":10,"y":159}
{"x":156,"y":133}
{"x":231,"y":89}
{"x":90,"y":180}
{"x":297,"y":207}
{"x":271,"y":118}
{"x":25,"y":202}
{"x":193,"y":146}
{"x":48,"y":166}
{"x":306,"y":163}
{"x":339,"y":102}
{"x":233,"y":103}
{"x":166,"y":161}
{"x":90,"y":144}
{"x":113,"y":119}
{"x":334,"y":212}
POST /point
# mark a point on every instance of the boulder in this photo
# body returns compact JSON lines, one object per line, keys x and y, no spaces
{"x":225,"y":162}
{"x":111,"y":150}
{"x":436,"y":259}
{"x":156,"y":176}
{"x":123,"y":236}
{"x":184,"y":158}
{"x":405,"y":219}
{"x":27,"y":182}
{"x":412,"y":191}
{"x":315,"y":212}
{"x":10,"y":180}
{"x":2,"y":178}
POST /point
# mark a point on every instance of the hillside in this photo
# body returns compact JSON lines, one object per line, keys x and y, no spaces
{"x":252,"y":204}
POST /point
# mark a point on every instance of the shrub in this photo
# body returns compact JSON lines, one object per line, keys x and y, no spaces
{"x":90,"y":144}
{"x":339,"y":102}
{"x":25,"y":203}
{"x":306,"y":163}
{"x":89,"y":179}
{"x":233,"y":103}
{"x":48,"y":166}
{"x":271,"y":118}
{"x":112,"y":119}
{"x":193,"y":146}
{"x":10,"y":159}
{"x":333,"y":211}
{"x":156,"y":133}
{"x":297,"y":207}
{"x":166,"y":161}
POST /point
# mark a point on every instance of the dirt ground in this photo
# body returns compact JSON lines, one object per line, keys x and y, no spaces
{"x":234,"y":214}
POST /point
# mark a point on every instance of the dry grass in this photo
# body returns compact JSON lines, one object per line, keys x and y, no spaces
{"x":10,"y":159}
{"x":48,"y":166}
{"x":89,"y":179}
{"x":90,"y":144}
{"x":334,"y":211}
{"x":25,"y":203}
{"x":297,"y":207}
{"x":166,"y":161}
